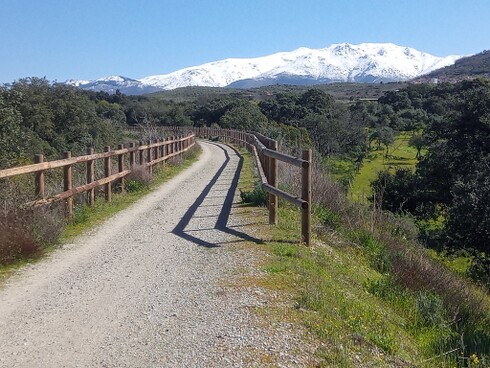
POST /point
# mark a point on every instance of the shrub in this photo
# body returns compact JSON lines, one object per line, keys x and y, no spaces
{"x":479,"y":270}
{"x":375,"y":250}
{"x":25,"y":232}
{"x":329,"y":218}
{"x":138,"y":179}
{"x":257,"y":196}
{"x":431,"y":309}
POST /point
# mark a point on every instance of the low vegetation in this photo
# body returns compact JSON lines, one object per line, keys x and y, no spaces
{"x":26,"y":233}
{"x":370,"y":293}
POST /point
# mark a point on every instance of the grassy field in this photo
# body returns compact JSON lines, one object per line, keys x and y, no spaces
{"x":400,"y":155}
{"x":342,"y":291}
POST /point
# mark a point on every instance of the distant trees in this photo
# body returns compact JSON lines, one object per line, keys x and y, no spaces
{"x":13,"y":139}
{"x":39,"y":117}
{"x":244,"y":115}
{"x":329,"y":124}
{"x":451,"y":181}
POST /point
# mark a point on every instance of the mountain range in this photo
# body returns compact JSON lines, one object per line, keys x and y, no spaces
{"x":363,"y":63}
{"x":470,"y":67}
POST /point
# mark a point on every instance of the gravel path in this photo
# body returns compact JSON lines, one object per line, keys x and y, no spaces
{"x":148,"y":287}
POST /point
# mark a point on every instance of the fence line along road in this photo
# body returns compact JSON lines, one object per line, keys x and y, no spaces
{"x":149,"y":155}
{"x":264,"y":150}
{"x":266,"y":154}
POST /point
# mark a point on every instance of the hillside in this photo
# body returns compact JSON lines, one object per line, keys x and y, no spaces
{"x":465,"y":68}
{"x":340,"y":91}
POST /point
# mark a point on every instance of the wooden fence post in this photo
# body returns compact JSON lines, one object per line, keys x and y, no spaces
{"x":68,"y":184}
{"x":90,"y":178}
{"x":132,"y":156}
{"x":306,"y":196}
{"x":39,"y":178}
{"x":273,"y":174}
{"x":107,"y":173}
{"x":120,"y":165}
{"x":142,"y":154}
{"x":148,"y":156}
{"x":160,"y":150}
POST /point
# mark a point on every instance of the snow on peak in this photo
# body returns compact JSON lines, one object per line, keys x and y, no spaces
{"x":116,"y":78}
{"x":343,"y":62}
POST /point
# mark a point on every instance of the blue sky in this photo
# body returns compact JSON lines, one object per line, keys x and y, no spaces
{"x":89,"y":39}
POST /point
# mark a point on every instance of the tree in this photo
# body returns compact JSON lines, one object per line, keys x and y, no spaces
{"x":468,"y":215}
{"x":246,"y":116}
{"x":418,"y":142}
{"x":382,"y":135}
{"x":12,"y":138}
{"x":396,"y":192}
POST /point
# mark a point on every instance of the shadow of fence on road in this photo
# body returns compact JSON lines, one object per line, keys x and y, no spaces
{"x":224,"y":215}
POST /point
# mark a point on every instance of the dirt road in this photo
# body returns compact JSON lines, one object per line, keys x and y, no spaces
{"x":142,"y":290}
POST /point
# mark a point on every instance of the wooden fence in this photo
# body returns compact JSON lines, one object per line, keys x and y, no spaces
{"x":265,"y":152}
{"x":149,"y":155}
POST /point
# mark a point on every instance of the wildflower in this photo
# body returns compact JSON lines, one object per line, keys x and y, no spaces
{"x":474,"y":361}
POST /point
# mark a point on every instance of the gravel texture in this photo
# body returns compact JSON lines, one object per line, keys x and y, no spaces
{"x":154,"y":286}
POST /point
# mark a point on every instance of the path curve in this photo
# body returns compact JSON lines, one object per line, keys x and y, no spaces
{"x":141,"y":290}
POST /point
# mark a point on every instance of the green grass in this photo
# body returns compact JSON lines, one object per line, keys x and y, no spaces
{"x":333,"y":301}
{"x":400,"y":155}
{"x":344,"y":295}
{"x":347,"y":299}
{"x":457,"y":263}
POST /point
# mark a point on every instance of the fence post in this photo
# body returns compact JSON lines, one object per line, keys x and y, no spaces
{"x":180,"y":145}
{"x":159,"y":148}
{"x":142,"y":154}
{"x":165,"y":150}
{"x":107,"y":173}
{"x":120,"y":165}
{"x":156,"y":153}
{"x":306,"y":196}
{"x":273,"y":175}
{"x":132,"y":157}
{"x":90,"y":178}
{"x":148,"y":156}
{"x":68,"y":184}
{"x":39,"y":178}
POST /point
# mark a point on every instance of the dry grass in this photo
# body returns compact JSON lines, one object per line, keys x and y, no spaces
{"x":25,"y":231}
{"x":140,"y":173}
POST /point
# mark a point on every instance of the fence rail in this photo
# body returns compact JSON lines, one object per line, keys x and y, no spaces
{"x":149,"y":155}
{"x":266,"y":154}
{"x":264,"y":150}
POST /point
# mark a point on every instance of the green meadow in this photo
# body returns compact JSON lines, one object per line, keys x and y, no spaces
{"x":400,"y":154}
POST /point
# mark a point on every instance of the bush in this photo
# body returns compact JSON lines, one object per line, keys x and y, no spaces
{"x":25,"y":232}
{"x":138,"y":179}
{"x":431,"y":309}
{"x":479,"y":270}
{"x":257,"y":196}
{"x":376,"y":252}
{"x":329,"y":218}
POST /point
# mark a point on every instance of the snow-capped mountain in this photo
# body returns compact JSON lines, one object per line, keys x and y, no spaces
{"x":113,"y":83}
{"x":366,"y":62}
